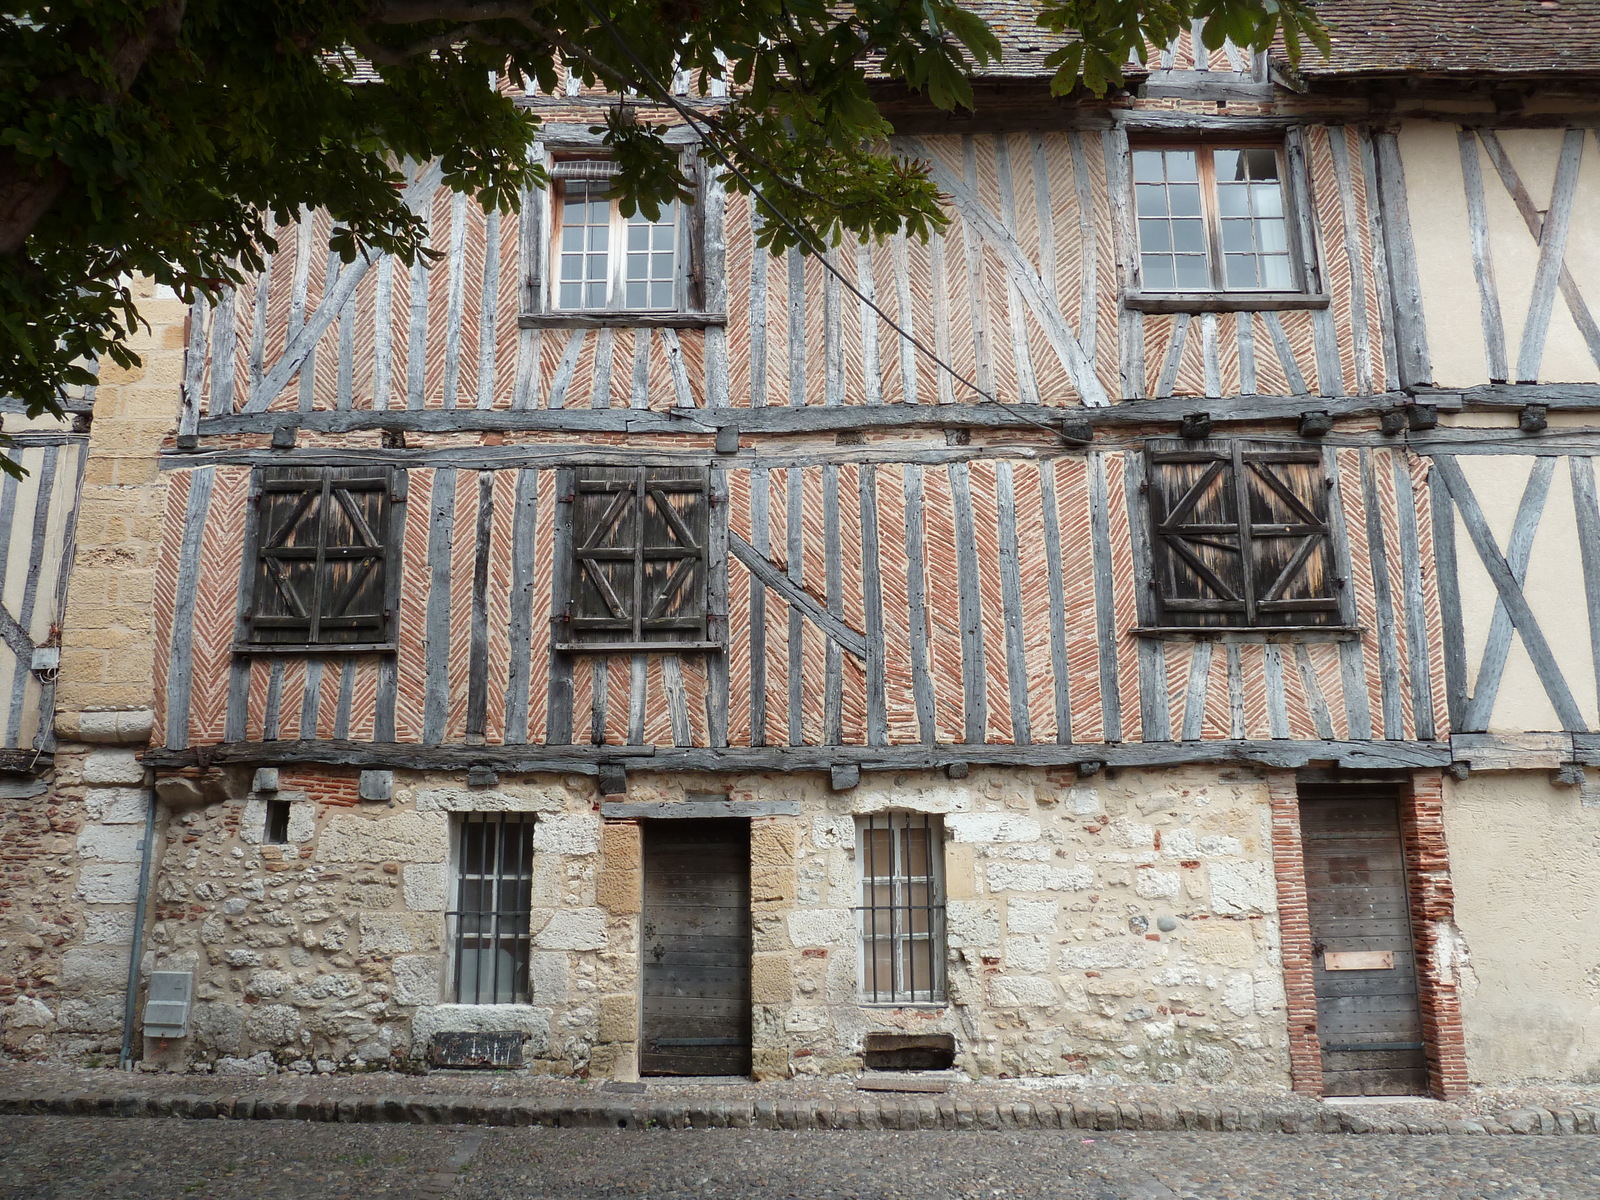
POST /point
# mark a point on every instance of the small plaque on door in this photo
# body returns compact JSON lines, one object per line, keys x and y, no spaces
{"x":1358,"y":960}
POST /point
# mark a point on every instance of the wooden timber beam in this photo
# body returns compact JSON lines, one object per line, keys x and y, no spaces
{"x":783,"y":419}
{"x":1279,"y":754}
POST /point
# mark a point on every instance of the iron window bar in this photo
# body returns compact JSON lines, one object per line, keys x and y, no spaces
{"x":490,"y":924}
{"x":902,"y":912}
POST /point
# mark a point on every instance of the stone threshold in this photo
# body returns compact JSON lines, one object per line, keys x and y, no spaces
{"x":848,"y":1111}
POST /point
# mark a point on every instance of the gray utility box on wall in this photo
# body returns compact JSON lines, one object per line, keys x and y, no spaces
{"x":166,"y":1005}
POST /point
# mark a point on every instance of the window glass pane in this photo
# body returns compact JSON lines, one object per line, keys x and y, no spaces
{"x":1232,"y":200}
{"x":1155,"y":235}
{"x":1181,"y":166}
{"x":1192,"y":275}
{"x":1276,"y":273}
{"x":1148,"y":167}
{"x":638,"y":236}
{"x":1188,"y":237}
{"x":1228,"y":164}
{"x":1267,"y":199}
{"x":661,"y":295}
{"x":1272,"y":237}
{"x":1261,"y":164}
{"x":1185,"y":199}
{"x":570,"y":295}
{"x":1156,"y":272}
{"x":1152,"y":200}
{"x":637,"y":294}
{"x":1242,"y":271}
{"x":1238,"y":236}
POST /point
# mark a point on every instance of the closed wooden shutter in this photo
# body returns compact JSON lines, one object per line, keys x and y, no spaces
{"x":323,"y":557}
{"x":1241,"y":536}
{"x":639,"y":559}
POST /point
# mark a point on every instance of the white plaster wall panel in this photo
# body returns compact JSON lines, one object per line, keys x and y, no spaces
{"x":1526,"y":956}
{"x":1439,"y":229}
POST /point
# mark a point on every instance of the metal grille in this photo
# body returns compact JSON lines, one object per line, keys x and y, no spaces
{"x":494,"y":891}
{"x":901,"y":914}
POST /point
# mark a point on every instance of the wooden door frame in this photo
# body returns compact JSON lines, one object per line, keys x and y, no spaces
{"x":1431,"y":900}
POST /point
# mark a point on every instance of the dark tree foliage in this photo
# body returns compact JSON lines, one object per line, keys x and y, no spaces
{"x":154,"y":136}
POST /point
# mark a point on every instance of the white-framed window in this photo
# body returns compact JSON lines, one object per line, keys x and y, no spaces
{"x":900,"y":860}
{"x":489,"y":924}
{"x":1214,"y":219}
{"x":603,"y":261}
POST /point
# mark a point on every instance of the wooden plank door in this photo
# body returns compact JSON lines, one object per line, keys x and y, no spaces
{"x":1364,"y":961}
{"x":696,"y":948}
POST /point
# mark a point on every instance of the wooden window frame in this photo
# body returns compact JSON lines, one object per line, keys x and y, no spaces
{"x":699,"y":297}
{"x":387,"y":540}
{"x":583,"y":551}
{"x":908,"y":949}
{"x":1299,"y":233}
{"x":1167,"y":615}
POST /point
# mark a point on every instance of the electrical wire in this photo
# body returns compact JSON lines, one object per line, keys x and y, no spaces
{"x":801,"y":235}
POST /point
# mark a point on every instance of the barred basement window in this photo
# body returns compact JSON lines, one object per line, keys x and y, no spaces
{"x":324,"y":542}
{"x":1241,"y":536}
{"x":901,"y":915}
{"x":489,"y":926}
{"x":638,"y":567}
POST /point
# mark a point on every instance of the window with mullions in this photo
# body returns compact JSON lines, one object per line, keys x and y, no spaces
{"x":491,"y":919}
{"x":901,"y":914}
{"x":1213,"y":219}
{"x":1241,"y":536}
{"x":605,"y":261}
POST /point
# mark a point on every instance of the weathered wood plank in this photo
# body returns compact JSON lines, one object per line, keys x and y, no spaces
{"x":1352,"y":658}
{"x":1194,"y":700}
{"x":867,"y":317}
{"x":974,"y":670}
{"x":682,"y":391}
{"x":45,"y":507}
{"x":478,"y":647}
{"x":833,"y":670}
{"x":558,"y":700}
{"x":638,"y":694}
{"x":1236,"y":727}
{"x":1088,"y":236}
{"x":1586,"y":506}
{"x":832,"y":333}
{"x":1405,"y":287}
{"x":561,"y":381}
{"x":224,"y":332}
{"x":795,"y":549}
{"x":1383,"y":600}
{"x":1280,"y":342}
{"x":488,"y":310}
{"x":346,"y":703}
{"x":977,"y":285}
{"x":1059,"y":665}
{"x":872,"y":603}
{"x":1315,"y":700}
{"x":587,"y":759}
{"x":917,"y":604}
{"x":436,"y":634}
{"x":1105,"y":613}
{"x":180,"y":654}
{"x":800,"y":601}
{"x":1552,"y":252}
{"x":1380,"y":259}
{"x":417,"y":338}
{"x":1154,"y":703}
{"x":271,"y":725}
{"x":1344,"y":178}
{"x":1027,"y":386}
{"x":1519,"y":551}
{"x":1533,"y":639}
{"x":1494,"y":333}
{"x":797,"y":327}
{"x":1210,"y":354}
{"x":600,"y":385}
{"x":194,"y":367}
{"x":758,"y":315}
{"x":520,"y":627}
{"x":761,"y":543}
{"x":1277,"y":695}
{"x":677,"y":700}
{"x":717,"y":607}
{"x":311,"y":700}
{"x":1447,"y":575}
{"x":1011,"y":600}
{"x":1174,"y":359}
{"x":1244,"y":328}
{"x":1411,"y":569}
{"x":905,"y":317}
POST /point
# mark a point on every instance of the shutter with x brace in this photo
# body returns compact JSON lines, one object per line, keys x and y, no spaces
{"x":1241,"y":535}
{"x":322,"y":556}
{"x":638,"y":559}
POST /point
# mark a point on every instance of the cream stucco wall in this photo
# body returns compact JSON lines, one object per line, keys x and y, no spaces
{"x":1525,"y":861}
{"x":1438,"y":205}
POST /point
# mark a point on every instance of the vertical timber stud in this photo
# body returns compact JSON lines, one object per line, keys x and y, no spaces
{"x":558,"y":714}
{"x":1294,"y":933}
{"x":717,"y":697}
{"x":1433,"y":928}
{"x":1405,"y":286}
{"x":1130,"y":324}
{"x":478,"y":650}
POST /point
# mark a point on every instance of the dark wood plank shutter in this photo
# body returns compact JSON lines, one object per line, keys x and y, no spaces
{"x":1241,"y":536}
{"x":323,"y":557}
{"x":639,"y":541}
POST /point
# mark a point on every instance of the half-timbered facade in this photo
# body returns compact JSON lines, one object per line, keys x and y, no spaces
{"x":1117,"y":637}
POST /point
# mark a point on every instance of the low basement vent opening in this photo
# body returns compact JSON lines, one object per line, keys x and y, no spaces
{"x":909,"y":1052}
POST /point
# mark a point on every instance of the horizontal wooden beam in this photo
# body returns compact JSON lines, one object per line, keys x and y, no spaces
{"x":1514,"y":396}
{"x":784,"y":419}
{"x":595,"y":320}
{"x":587,"y":759}
{"x":25,"y":762}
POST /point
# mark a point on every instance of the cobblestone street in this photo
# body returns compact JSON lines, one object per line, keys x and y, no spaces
{"x":57,"y":1158}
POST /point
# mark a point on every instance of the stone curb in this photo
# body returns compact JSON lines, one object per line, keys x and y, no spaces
{"x":865,"y":1113}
